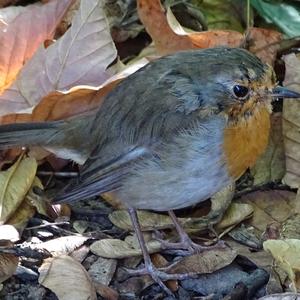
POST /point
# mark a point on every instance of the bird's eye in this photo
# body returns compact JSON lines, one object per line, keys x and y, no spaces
{"x":240,"y":91}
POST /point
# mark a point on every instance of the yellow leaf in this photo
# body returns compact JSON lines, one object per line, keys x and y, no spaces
{"x":67,"y":278}
{"x":27,"y":208}
{"x":14,"y":185}
{"x":286,"y":254}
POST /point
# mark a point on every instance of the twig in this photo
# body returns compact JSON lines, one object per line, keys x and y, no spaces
{"x":58,"y":174}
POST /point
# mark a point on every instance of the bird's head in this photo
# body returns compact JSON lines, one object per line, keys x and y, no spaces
{"x":237,"y":83}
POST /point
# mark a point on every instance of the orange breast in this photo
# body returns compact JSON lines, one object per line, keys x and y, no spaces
{"x":245,"y":141}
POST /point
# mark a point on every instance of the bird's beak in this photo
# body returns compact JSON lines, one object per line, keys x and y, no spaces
{"x":282,"y":92}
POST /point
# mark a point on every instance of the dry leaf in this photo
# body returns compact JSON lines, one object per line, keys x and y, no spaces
{"x":67,"y":279}
{"x":9,"y":232}
{"x":291,"y":122}
{"x":270,"y":166}
{"x":264,"y":43}
{"x":7,"y":2}
{"x":15,"y":183}
{"x":173,"y":23}
{"x":62,"y":245}
{"x":78,"y":100}
{"x":102,"y":270}
{"x":152,"y":15}
{"x":80,"y":57}
{"x":160,"y":262}
{"x":291,"y":228}
{"x":20,"y":217}
{"x":26,"y":209}
{"x":235,"y":214}
{"x":114,"y":248}
{"x":282,"y":296}
{"x":106,"y":292}
{"x":22,"y":32}
{"x":269,"y":207}
{"x":203,"y":263}
{"x":8,"y":262}
{"x":286,"y":254}
{"x":260,"y":258}
{"x":148,"y":220}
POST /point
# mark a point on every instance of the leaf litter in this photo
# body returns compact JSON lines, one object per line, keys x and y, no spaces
{"x":71,"y":76}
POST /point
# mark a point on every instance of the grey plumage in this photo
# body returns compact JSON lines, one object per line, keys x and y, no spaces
{"x":155,"y":135}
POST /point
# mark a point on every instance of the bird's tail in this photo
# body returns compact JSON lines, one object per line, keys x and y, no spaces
{"x":29,"y":134}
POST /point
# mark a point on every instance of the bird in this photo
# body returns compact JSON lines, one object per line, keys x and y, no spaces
{"x":169,"y":136}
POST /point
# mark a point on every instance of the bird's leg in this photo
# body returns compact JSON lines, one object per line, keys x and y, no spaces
{"x":220,"y":202}
{"x":185,"y":242}
{"x":157,"y":275}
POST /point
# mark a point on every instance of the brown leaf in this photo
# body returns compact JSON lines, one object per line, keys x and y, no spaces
{"x":291,"y":228}
{"x":4,"y":3}
{"x":282,"y":296}
{"x":260,"y":258}
{"x":114,"y":248}
{"x":8,"y":262}
{"x":22,"y":34}
{"x":67,"y":279}
{"x":160,"y":262}
{"x":286,"y":255}
{"x":270,"y":166}
{"x":264,"y":43}
{"x":80,"y":57}
{"x":102,"y":270}
{"x":58,"y":106}
{"x":148,"y":220}
{"x":106,"y":292}
{"x":205,"y":262}
{"x":152,"y":15}
{"x":236,"y":213}
{"x":78,"y":100}
{"x":291,"y":122}
{"x":269,"y":207}
{"x":62,"y":245}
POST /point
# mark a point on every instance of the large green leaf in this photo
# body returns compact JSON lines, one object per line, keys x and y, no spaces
{"x":284,"y":14}
{"x":222,"y":14}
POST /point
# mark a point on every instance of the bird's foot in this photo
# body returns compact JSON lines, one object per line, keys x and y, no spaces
{"x":187,"y":247}
{"x":159,"y":275}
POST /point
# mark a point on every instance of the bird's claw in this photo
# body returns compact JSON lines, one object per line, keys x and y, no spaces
{"x":159,"y":275}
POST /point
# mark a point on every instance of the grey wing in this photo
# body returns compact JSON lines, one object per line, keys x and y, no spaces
{"x":144,"y":110}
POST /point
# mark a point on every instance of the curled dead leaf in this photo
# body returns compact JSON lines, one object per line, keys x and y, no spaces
{"x":272,"y":206}
{"x":206,"y":262}
{"x":152,"y":15}
{"x":26,"y":209}
{"x":80,"y":56}
{"x":20,"y":37}
{"x":62,"y":245}
{"x":291,"y":122}
{"x":114,"y":248}
{"x":8,"y":262}
{"x":264,"y":43}
{"x":148,"y":220}
{"x":286,"y":255}
{"x":236,"y":213}
{"x":67,"y":279}
{"x":14,"y":185}
{"x":282,"y":296}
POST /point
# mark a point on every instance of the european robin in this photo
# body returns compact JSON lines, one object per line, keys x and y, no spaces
{"x":169,"y":136}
